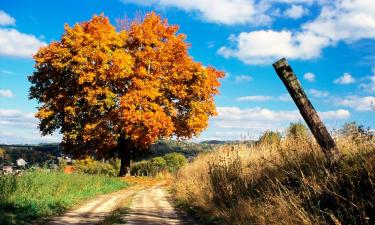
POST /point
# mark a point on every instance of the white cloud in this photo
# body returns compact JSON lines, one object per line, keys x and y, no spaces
{"x":16,"y":44}
{"x":346,"y":78}
{"x":345,"y":20}
{"x":261,"y":118}
{"x":309,"y":2}
{"x":242,"y":78}
{"x":6,"y":19}
{"x":18,"y":127}
{"x":261,"y":98}
{"x":296,"y":11}
{"x":318,"y":94}
{"x":340,"y":114}
{"x":339,"y":21}
{"x":266,"y":46}
{"x":17,"y":118}
{"x":309,"y":77}
{"x":369,"y":86}
{"x":6,"y":93}
{"x":356,"y":102}
{"x":258,"y":98}
{"x":218,"y":11}
{"x":285,"y":97}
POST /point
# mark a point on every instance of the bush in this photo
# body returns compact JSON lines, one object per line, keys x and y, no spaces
{"x":270,"y":138}
{"x":159,"y":163}
{"x":174,"y":161}
{"x":356,"y":133}
{"x":91,"y":166}
{"x":142,"y":168}
{"x":170,"y":162}
{"x":297,"y":131}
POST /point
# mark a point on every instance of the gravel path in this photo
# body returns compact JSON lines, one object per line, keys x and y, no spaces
{"x":95,"y":210}
{"x":152,"y":207}
{"x":149,"y":206}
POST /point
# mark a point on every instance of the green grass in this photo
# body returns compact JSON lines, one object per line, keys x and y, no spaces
{"x":34,"y":196}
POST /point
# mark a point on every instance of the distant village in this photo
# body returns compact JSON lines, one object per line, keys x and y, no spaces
{"x":14,"y":159}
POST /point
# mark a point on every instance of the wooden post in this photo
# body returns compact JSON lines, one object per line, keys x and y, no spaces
{"x":320,"y":132}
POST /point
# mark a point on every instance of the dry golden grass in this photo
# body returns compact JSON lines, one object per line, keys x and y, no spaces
{"x":284,"y":183}
{"x":162,"y":178}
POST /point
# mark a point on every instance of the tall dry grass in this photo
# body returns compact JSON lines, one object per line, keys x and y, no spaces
{"x":284,"y":183}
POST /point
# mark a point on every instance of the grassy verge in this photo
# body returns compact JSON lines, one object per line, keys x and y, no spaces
{"x":282,"y":183}
{"x":36,"y":195}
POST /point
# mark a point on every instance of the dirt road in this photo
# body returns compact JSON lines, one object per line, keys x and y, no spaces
{"x":152,"y":206}
{"x":149,"y":206}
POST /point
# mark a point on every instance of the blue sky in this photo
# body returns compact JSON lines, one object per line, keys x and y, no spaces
{"x":330,"y":45}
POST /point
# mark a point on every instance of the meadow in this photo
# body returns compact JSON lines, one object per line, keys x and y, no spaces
{"x":282,"y":180}
{"x":36,"y":195}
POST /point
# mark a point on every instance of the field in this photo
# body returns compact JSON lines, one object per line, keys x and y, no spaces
{"x":36,"y":195}
{"x":282,"y":181}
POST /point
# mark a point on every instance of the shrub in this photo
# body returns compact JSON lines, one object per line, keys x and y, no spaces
{"x":174,"y":161}
{"x":297,"y":131}
{"x":170,"y":162}
{"x":159,"y":163}
{"x":270,"y":138}
{"x":356,"y":133}
{"x":142,"y":168}
{"x":91,"y":166}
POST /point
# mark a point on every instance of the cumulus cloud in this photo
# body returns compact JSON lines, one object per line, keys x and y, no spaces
{"x":261,"y":98}
{"x":318,"y":94}
{"x":19,"y":127}
{"x":345,"y":20}
{"x":6,"y":93}
{"x":309,"y":2}
{"x":252,"y":118}
{"x":356,"y":102}
{"x":17,"y":118}
{"x":258,"y":98}
{"x":218,"y":11}
{"x":369,"y":85}
{"x":243,"y":78}
{"x":6,"y":19}
{"x":346,"y":78}
{"x":16,"y":44}
{"x":296,"y":11}
{"x":266,"y":46}
{"x":285,"y":97}
{"x":309,"y":77}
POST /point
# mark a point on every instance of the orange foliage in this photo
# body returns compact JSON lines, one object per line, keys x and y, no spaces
{"x":97,"y":84}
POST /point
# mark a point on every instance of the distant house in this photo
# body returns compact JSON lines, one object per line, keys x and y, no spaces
{"x":21,"y":162}
{"x":7,"y":169}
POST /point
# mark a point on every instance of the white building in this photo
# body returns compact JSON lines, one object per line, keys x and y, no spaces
{"x":21,"y":162}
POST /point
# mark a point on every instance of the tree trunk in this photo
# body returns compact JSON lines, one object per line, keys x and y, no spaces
{"x":124,"y":148}
{"x":320,"y":132}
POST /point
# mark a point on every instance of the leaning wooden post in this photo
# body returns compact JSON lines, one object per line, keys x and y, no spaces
{"x":320,"y":132}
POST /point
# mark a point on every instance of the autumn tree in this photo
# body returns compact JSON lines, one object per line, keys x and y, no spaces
{"x":105,"y":89}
